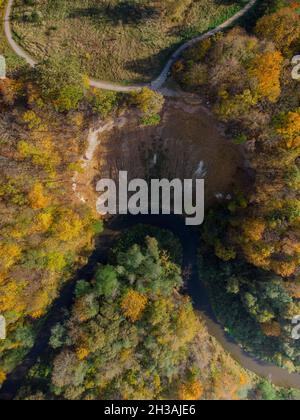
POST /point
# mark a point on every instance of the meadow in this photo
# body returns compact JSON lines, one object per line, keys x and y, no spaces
{"x":121,"y":41}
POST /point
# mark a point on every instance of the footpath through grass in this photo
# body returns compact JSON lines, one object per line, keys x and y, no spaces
{"x":13,"y":61}
{"x":120,"y":41}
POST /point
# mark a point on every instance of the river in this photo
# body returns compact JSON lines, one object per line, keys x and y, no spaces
{"x":189,"y":238}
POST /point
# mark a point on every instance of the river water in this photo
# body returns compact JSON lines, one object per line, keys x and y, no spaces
{"x":189,"y":238}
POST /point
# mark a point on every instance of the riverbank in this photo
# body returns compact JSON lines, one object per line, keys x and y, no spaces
{"x":196,"y":289}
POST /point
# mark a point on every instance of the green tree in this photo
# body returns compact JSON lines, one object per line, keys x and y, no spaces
{"x":61,"y":82}
{"x":106,"y":281}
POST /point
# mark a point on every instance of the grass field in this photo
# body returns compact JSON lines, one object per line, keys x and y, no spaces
{"x":13,"y":62}
{"x":116,"y":40}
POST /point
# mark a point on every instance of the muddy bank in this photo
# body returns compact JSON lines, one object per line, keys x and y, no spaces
{"x":188,"y":143}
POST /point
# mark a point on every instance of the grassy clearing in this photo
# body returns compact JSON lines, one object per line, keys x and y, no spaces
{"x":13,"y":61}
{"x":115,"y":40}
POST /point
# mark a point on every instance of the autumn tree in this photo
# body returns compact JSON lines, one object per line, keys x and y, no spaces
{"x":190,"y":391}
{"x":103,"y":101}
{"x":148,"y":101}
{"x":37,"y":197}
{"x":281,"y":27}
{"x":271,"y":329}
{"x":266,"y":69}
{"x":133,"y":305}
{"x":290,"y":129}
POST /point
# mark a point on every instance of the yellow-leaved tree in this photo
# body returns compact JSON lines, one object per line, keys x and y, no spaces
{"x":133,"y":305}
{"x":266,"y":69}
{"x":190,"y":391}
{"x":37,"y":197}
{"x":281,"y":27}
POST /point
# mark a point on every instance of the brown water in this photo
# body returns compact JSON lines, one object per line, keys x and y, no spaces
{"x":188,"y":134}
{"x":189,"y":238}
{"x":278,"y":376}
{"x":196,"y":289}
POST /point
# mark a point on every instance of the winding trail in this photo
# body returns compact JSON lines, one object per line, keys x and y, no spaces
{"x":155,"y":84}
{"x":9,"y":36}
{"x":188,"y":237}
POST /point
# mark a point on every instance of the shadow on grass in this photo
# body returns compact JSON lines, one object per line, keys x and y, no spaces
{"x":124,"y":12}
{"x":150,"y":67}
{"x":230,"y":2}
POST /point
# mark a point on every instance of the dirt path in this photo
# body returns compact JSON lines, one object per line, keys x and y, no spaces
{"x":8,"y":33}
{"x":155,"y":84}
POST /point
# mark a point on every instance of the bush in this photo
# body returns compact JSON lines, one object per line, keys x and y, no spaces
{"x":151,"y":120}
{"x":61,"y":82}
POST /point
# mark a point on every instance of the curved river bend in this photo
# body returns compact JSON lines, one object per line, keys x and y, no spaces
{"x":189,"y":238}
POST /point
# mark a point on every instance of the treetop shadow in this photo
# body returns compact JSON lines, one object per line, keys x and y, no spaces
{"x":125,"y":12}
